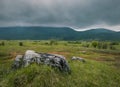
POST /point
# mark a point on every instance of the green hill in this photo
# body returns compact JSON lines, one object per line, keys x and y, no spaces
{"x":61,"y":33}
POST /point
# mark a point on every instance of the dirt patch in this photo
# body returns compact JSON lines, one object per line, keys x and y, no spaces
{"x":61,"y":53}
{"x":99,"y":59}
{"x":115,"y":61}
{"x":12,"y":55}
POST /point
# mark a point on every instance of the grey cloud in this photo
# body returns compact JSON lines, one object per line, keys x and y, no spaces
{"x":73,"y":13}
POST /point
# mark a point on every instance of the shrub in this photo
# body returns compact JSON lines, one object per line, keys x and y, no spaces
{"x":53,"y":42}
{"x":95,"y":44}
{"x":112,"y":47}
{"x":99,"y":46}
{"x":20,"y":43}
{"x":2,"y":43}
{"x":114,"y":43}
{"x":104,"y":45}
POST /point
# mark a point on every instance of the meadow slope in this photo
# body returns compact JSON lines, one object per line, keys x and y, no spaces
{"x":101,"y":68}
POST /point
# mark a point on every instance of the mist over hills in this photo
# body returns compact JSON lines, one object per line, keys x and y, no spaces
{"x":61,"y":33}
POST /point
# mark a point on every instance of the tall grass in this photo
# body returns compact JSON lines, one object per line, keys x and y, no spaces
{"x":89,"y":74}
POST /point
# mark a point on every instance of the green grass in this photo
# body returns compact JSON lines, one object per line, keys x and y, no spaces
{"x":101,"y":68}
{"x":89,"y":74}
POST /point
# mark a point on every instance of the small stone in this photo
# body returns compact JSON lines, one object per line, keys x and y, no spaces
{"x":78,"y":58}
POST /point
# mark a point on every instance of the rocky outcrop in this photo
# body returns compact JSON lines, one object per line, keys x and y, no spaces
{"x":31,"y":56}
{"x":78,"y":58}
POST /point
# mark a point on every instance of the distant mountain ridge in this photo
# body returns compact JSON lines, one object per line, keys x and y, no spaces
{"x":62,"y":33}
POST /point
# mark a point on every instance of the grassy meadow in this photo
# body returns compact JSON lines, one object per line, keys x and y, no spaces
{"x":101,"y":69}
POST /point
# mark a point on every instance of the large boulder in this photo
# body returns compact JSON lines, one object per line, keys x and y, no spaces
{"x":30,"y":56}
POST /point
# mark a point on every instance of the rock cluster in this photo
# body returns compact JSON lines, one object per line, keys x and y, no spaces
{"x":31,"y":56}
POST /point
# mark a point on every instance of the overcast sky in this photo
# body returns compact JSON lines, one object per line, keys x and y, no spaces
{"x":78,"y":14}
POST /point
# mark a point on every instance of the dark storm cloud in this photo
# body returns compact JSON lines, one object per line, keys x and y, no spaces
{"x":74,"y":13}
